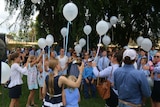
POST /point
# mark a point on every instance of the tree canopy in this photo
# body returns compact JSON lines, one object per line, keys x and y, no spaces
{"x":135,"y":18}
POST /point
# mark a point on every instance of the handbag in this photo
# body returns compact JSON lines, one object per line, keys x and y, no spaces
{"x":103,"y":87}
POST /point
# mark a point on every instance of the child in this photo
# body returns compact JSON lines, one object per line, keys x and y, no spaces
{"x":41,"y":77}
{"x":71,"y":96}
{"x":32,"y":80}
{"x":144,"y":63}
{"x":15,"y":85}
{"x":89,"y":78}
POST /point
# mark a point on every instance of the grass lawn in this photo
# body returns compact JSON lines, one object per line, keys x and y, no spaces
{"x":5,"y":100}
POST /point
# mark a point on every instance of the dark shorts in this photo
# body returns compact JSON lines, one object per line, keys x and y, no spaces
{"x":15,"y":91}
{"x":156,"y":92}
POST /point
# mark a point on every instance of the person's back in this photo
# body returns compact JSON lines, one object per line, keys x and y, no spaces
{"x":72,"y":98}
{"x":131,"y":84}
{"x":57,"y":97}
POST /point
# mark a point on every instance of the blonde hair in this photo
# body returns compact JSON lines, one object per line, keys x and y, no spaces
{"x":52,"y":64}
{"x":51,"y":84}
{"x":31,"y":58}
{"x":72,"y":78}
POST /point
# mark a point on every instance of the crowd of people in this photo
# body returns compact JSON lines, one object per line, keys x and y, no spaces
{"x":60,"y":77}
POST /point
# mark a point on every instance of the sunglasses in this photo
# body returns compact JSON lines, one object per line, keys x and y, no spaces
{"x":156,"y":56}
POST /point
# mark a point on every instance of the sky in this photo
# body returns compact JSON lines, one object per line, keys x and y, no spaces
{"x":4,"y":28}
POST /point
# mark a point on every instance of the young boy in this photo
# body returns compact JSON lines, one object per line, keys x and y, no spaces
{"x":89,"y":78}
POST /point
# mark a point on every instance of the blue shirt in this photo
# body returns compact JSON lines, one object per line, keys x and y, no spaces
{"x":88,"y":72}
{"x":131,"y":84}
{"x":103,"y":63}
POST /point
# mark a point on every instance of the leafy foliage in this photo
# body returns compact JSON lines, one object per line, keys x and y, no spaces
{"x":135,"y":18}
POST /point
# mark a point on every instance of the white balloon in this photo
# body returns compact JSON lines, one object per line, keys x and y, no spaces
{"x":82,"y":42}
{"x":78,"y":48}
{"x":139,"y":40}
{"x":87,"y":29}
{"x":49,"y":40}
{"x":102,"y":27}
{"x":146,"y":44}
{"x":106,"y":40}
{"x":64,"y":32}
{"x":35,"y":1}
{"x":70,"y":11}
{"x":5,"y":72}
{"x":42,"y":43}
{"x":150,"y":81}
{"x":113,"y":20}
{"x":109,"y":25}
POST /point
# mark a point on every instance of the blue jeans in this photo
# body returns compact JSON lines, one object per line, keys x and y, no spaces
{"x":86,"y":89}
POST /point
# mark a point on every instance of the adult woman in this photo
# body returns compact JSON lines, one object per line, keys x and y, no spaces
{"x":108,"y":72}
{"x":53,"y":86}
{"x":155,"y":96}
{"x":72,"y":68}
{"x":16,"y":79}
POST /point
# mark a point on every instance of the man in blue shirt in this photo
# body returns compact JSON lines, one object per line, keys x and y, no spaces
{"x":131,"y":84}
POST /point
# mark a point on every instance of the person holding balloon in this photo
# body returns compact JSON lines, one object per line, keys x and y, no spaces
{"x":109,"y":74}
{"x":15,"y":85}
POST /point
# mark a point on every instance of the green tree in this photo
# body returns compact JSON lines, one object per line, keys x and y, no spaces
{"x":135,"y":18}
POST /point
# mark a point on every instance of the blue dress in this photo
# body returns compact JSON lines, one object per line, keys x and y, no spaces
{"x":72,"y":97}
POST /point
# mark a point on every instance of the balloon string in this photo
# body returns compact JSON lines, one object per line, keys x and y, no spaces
{"x":64,"y":42}
{"x":98,"y":49}
{"x":67,"y":37}
{"x":43,"y":60}
{"x":148,"y":56}
{"x":48,"y":52}
{"x":87,"y":44}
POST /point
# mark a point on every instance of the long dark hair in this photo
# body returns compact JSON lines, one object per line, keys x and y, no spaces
{"x":119,"y":56}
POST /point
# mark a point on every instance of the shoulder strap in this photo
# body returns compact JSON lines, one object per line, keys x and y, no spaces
{"x":111,"y":72}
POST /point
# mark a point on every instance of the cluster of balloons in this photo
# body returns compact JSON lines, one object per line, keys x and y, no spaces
{"x":145,"y":43}
{"x":78,"y":47}
{"x":42,"y":42}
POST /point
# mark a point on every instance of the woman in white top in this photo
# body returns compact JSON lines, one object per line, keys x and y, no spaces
{"x":108,"y":73}
{"x":16,"y":79}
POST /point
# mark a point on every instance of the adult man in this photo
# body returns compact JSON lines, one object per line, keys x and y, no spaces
{"x":103,"y":62}
{"x":131,"y":83}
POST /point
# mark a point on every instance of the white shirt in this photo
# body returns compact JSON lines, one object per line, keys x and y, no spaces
{"x":16,"y":74}
{"x":107,"y":73}
{"x":63,"y":61}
